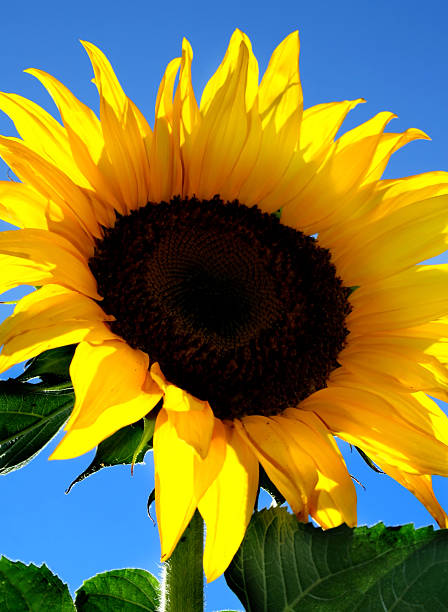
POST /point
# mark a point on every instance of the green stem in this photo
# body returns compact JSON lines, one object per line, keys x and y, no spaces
{"x":183,"y":578}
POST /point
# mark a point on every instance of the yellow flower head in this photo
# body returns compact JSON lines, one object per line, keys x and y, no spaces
{"x":243,"y":266}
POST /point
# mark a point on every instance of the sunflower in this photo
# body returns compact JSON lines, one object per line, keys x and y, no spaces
{"x":241,"y":272}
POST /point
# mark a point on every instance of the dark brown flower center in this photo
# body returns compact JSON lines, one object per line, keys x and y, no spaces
{"x":238,"y":309}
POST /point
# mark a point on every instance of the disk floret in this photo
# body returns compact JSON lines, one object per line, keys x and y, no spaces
{"x":237,"y":309}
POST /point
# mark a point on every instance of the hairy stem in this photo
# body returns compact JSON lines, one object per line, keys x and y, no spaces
{"x":183,"y":577}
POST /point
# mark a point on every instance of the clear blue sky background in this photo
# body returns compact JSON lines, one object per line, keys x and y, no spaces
{"x":394,"y":54}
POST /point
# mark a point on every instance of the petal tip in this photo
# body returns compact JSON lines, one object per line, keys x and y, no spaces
{"x":186,"y":46}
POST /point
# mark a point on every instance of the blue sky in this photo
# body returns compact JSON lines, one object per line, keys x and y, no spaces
{"x":393,"y":54}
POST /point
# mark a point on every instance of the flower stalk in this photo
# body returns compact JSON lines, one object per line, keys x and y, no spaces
{"x":183,"y":576}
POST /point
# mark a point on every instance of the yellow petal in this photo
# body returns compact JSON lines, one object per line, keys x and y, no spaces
{"x":75,"y":115}
{"x":320,"y":125}
{"x":55,"y":186}
{"x":86,"y":141}
{"x":227,"y":505}
{"x":378,"y":199}
{"x":327,"y":198}
{"x":143,"y":126}
{"x":50,"y":317}
{"x":317,"y":131}
{"x":175,"y":399}
{"x":184,"y":93}
{"x":354,"y":152}
{"x":38,"y":257}
{"x":121,"y":131}
{"x":112,"y":390}
{"x":231,"y":58}
{"x":393,"y":194}
{"x":417,"y":410}
{"x":225,"y":109}
{"x":22,"y":206}
{"x":395,"y":242}
{"x":397,"y":361}
{"x":174,"y":483}
{"x":195,"y":427}
{"x":289,"y":467}
{"x":421,"y":487}
{"x":105,"y":375}
{"x":69,"y":304}
{"x":280,"y":93}
{"x":334,"y":499}
{"x":280,"y":107}
{"x":80,"y":440}
{"x":430,"y":334}
{"x":185,"y":108}
{"x":404,"y":430}
{"x":369,"y":202}
{"x":431,"y":339}
{"x":34,"y":341}
{"x":164,"y":161}
{"x":41,"y":133}
{"x":181,"y":478}
{"x":411,"y":298}
{"x":388,"y":144}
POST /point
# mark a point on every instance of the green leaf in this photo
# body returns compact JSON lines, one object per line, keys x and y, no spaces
{"x":51,"y":366}
{"x":125,"y":590}
{"x":285,"y":565}
{"x":119,"y":449}
{"x":32,"y":588}
{"x":30,"y":415}
{"x":149,"y":424}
